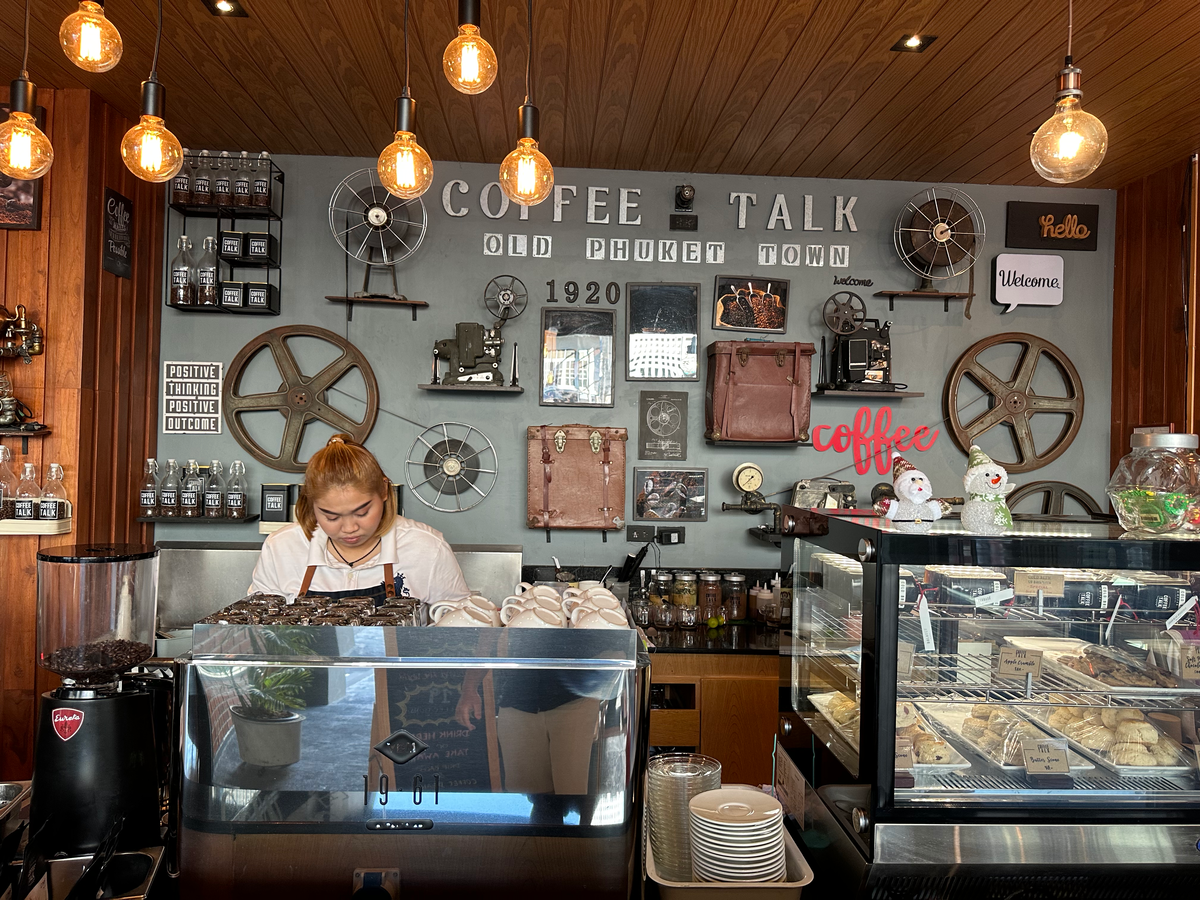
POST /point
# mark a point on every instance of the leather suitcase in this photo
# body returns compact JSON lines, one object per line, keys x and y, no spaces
{"x":576,"y":477}
{"x":758,"y":391}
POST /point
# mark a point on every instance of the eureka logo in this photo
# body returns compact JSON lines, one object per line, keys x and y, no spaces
{"x":66,"y":722}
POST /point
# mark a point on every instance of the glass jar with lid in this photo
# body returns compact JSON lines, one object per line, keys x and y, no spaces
{"x":735,"y":596}
{"x":660,"y":587}
{"x":683,"y":591}
{"x":708,"y":596}
{"x":1157,"y":483}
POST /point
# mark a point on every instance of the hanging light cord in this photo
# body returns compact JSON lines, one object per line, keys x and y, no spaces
{"x":25,"y":58}
{"x":1070,"y":24}
{"x":529,"y":60}
{"x":157,"y":42}
{"x":406,"y":48}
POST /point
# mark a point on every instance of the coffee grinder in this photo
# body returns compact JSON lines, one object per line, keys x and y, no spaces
{"x":95,"y":758}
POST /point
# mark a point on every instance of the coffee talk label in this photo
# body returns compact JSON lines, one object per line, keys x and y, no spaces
{"x":66,"y":722}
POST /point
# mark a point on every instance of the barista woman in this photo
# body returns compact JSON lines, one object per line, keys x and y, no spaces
{"x":349,"y":542}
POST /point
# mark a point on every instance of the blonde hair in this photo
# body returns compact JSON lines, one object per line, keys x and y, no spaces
{"x":342,"y":463}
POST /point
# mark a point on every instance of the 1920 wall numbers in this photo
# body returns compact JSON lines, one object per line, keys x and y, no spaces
{"x":612,"y":292}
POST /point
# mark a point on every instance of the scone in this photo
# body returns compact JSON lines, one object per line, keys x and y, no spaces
{"x":1164,"y":753}
{"x":982,"y":710}
{"x":1113,"y":717}
{"x":1061,"y":717}
{"x":1137,"y":732}
{"x":1001,"y":720}
{"x":906,"y":714}
{"x":910,"y":731}
{"x":844,"y":713}
{"x":1098,"y":739}
{"x":990,"y":741}
{"x":932,"y":751}
{"x":974,"y":728}
{"x":1133,"y":755}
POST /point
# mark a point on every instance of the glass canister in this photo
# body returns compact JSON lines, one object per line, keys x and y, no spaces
{"x":708,"y":596}
{"x":735,"y":596}
{"x":660,"y":588}
{"x":1157,"y":483}
{"x":683,"y":591}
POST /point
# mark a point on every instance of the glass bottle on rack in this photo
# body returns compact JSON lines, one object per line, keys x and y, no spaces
{"x":181,"y":184}
{"x":191,"y":492}
{"x":28,"y":493}
{"x":206,"y":274}
{"x":243,"y":186}
{"x":222,"y":187}
{"x":202,"y":179}
{"x":183,"y":274}
{"x":148,"y":491}
{"x":214,"y":492}
{"x":235,"y":491}
{"x":262,"y":180}
{"x":54,"y":495}
{"x":8,"y":484}
{"x":168,"y":494}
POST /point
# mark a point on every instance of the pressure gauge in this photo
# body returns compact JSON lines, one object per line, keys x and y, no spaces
{"x":747,"y":477}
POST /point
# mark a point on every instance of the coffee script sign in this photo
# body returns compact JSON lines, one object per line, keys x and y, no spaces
{"x":1052,"y":226}
{"x":118,"y":234}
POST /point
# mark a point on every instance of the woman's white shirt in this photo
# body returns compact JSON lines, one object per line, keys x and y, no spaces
{"x":422,"y":562}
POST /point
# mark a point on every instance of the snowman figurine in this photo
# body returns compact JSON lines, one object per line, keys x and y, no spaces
{"x":914,"y":509}
{"x":986,"y":485}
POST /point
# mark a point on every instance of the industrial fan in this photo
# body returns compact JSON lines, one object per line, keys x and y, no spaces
{"x":374,"y":226}
{"x":939,"y":234}
{"x":451,"y":467}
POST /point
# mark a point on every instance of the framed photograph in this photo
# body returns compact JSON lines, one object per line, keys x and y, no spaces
{"x":662,"y":425}
{"x":21,"y":201}
{"x":680,"y":494}
{"x":750,"y":303}
{"x":663,"y":331}
{"x":578,"y":357}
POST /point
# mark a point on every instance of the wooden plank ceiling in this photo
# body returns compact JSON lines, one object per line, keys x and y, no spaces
{"x":761,"y":87}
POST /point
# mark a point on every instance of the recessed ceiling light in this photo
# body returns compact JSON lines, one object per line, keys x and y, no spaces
{"x":226,"y":8}
{"x":913,"y":43}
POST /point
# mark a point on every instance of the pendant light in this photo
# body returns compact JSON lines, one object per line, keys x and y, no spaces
{"x":89,"y":39}
{"x":404,"y":167}
{"x":149,"y":149}
{"x":526,"y":176}
{"x":469,"y":61}
{"x":25,"y":153}
{"x":1071,"y":144}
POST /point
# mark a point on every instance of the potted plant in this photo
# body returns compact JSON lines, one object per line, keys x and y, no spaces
{"x":265,"y":719}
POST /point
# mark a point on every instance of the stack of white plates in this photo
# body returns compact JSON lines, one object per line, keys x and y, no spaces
{"x":672,"y":780}
{"x":737,"y":835}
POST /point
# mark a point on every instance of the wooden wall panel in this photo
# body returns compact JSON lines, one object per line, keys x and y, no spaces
{"x":1149,"y":385}
{"x":97,"y":383}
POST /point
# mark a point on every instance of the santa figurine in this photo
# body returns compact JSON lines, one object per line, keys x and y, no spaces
{"x":985,"y":510}
{"x":914,"y":508}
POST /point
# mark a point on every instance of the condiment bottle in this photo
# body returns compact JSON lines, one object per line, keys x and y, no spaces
{"x":181,"y":184}
{"x":183,"y":274}
{"x":262,"y":179}
{"x":735,"y":596}
{"x":683,"y":591}
{"x":148,"y":491}
{"x":28,"y":493}
{"x":242,"y":182}
{"x":53,"y":503}
{"x":222,"y":187}
{"x":660,"y":587}
{"x":206,"y":274}
{"x":708,"y":597}
{"x":214,"y":492}
{"x":191,"y":493}
{"x":168,"y":493}
{"x":235,"y":491}
{"x":8,"y":484}
{"x":202,"y":179}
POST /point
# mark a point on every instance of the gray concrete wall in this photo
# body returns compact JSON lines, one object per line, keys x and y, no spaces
{"x":450,"y":271}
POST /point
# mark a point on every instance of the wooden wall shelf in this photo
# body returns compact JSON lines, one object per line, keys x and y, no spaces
{"x":944,"y":296}
{"x":868,"y":395}
{"x":386,"y":301}
{"x":470,"y":388}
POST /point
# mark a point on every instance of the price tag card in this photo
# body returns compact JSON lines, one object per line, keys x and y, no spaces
{"x":926,"y":624}
{"x":904,"y":659}
{"x":1183,"y":611}
{"x":1015,"y":663}
{"x":995,"y":598}
{"x":1189,"y":662}
{"x":1028,"y":584}
{"x":1048,"y":757}
{"x":904,"y":755}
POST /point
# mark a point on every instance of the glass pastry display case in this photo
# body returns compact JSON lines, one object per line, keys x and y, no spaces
{"x":463,"y":761}
{"x":1016,"y":710}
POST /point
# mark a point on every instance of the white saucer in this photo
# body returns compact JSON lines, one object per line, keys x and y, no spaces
{"x":730,"y":807}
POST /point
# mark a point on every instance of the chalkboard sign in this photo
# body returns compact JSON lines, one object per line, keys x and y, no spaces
{"x":118,"y":234}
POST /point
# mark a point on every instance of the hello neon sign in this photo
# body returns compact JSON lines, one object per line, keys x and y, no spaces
{"x":871,"y":440}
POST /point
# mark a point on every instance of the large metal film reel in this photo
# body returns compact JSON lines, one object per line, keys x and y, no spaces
{"x":451,"y":467}
{"x":373,"y":225}
{"x":505,"y":297}
{"x":939,"y":233}
{"x":1012,"y":402}
{"x":300,"y":399}
{"x":844,"y":312}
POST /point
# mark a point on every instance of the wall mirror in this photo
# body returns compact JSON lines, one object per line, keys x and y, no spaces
{"x":663,"y":332}
{"x":578,"y":359}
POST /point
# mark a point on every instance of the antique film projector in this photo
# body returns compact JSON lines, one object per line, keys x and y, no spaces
{"x":861,"y":358}
{"x":473,"y":354}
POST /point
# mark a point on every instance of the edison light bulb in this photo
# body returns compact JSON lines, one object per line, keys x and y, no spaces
{"x":1070,"y":145}
{"x":150,"y":151}
{"x":89,"y":39}
{"x":25,"y":153}
{"x":469,"y":61}
{"x":526,"y":176}
{"x":405,"y":169}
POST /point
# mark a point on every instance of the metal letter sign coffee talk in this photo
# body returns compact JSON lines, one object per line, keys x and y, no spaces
{"x":1052,"y":226}
{"x":873,"y":442}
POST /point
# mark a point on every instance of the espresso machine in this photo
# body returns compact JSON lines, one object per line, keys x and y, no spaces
{"x":95,"y":759}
